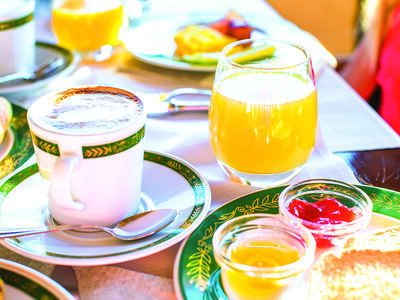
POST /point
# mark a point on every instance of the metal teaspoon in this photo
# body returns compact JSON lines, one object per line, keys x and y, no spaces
{"x":38,"y":74}
{"x":132,"y":228}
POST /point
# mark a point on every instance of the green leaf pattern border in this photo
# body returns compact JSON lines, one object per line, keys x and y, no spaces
{"x":196,"y":267}
{"x":22,"y":149}
{"x":199,"y":187}
{"x":94,"y":151}
{"x":14,"y":23}
{"x":26,"y":285}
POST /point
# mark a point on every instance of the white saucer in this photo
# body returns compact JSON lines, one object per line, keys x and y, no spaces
{"x":45,"y":53}
{"x":24,"y":283}
{"x":167,"y":182}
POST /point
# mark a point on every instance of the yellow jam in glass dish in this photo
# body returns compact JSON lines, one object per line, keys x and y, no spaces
{"x":261,"y":254}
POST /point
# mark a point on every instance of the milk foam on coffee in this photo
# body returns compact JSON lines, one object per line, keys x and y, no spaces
{"x":87,"y":113}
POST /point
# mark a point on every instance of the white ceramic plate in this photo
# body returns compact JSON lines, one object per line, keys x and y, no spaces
{"x":152,"y":41}
{"x":45,"y":53}
{"x":167,"y":182}
{"x":158,"y":47}
{"x":24,"y":283}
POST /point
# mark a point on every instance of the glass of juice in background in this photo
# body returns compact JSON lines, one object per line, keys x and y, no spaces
{"x":261,"y":255}
{"x":263,"y":113}
{"x":90,"y":27}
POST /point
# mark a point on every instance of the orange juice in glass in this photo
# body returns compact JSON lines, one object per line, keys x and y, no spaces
{"x":91,"y":27}
{"x":263,"y":114}
{"x":260,"y":255}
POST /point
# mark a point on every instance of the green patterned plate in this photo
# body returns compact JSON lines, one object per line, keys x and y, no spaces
{"x":16,"y":147}
{"x":167,"y":182}
{"x":24,"y":283}
{"x":196,"y":271}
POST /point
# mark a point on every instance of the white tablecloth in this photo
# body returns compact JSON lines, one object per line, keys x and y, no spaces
{"x":346,"y":123}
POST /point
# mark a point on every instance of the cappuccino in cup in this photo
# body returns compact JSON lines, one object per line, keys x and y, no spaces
{"x":88,"y":143}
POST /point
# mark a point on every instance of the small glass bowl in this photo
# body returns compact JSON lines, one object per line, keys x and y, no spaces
{"x":254,"y":276}
{"x":316,"y":189}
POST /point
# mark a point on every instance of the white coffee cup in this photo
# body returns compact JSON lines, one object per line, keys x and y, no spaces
{"x":17,"y":36}
{"x":88,"y":143}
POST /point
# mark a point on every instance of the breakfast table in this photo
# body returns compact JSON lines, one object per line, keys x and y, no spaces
{"x":354,"y":144}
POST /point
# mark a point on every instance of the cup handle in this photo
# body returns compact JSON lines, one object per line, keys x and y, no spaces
{"x":60,"y":183}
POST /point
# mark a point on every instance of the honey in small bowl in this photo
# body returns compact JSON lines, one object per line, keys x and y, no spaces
{"x":261,"y":254}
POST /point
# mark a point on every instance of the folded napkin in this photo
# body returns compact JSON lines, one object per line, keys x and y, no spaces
{"x":109,"y":283}
{"x":44,"y":268}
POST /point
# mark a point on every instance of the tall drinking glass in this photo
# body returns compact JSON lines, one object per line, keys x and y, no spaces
{"x":90,"y":27}
{"x":263,"y":114}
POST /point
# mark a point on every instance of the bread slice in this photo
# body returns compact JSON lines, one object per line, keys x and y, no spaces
{"x":384,"y":239}
{"x":356,"y":274}
{"x":368,"y":267}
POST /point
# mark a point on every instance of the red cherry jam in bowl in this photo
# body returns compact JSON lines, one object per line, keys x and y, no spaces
{"x":332,"y":210}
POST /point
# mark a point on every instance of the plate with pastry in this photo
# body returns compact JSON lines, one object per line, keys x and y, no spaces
{"x":188,"y":42}
{"x":193,"y":42}
{"x":15,"y":139}
{"x":21,"y":282}
{"x":364,"y":266}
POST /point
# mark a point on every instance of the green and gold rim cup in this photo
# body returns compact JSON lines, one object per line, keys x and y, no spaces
{"x":93,"y":145}
{"x":17,"y":15}
{"x":87,"y":164}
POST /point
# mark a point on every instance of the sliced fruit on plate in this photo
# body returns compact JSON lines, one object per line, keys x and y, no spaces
{"x":202,"y":58}
{"x":253,"y":54}
{"x":249,"y":55}
{"x":234,"y":25}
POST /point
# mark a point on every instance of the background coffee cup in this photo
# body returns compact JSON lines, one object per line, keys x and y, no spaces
{"x":17,"y":36}
{"x":88,"y":143}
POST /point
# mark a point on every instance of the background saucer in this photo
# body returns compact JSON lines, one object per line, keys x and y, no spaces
{"x":45,"y":53}
{"x":24,"y":283}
